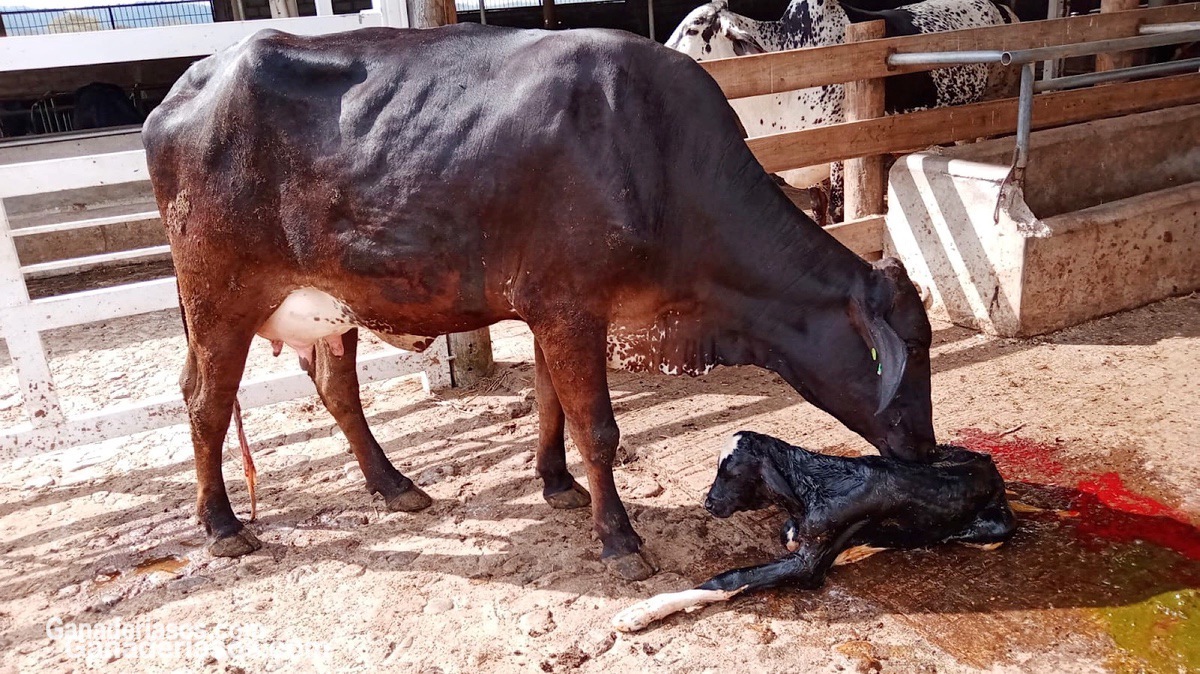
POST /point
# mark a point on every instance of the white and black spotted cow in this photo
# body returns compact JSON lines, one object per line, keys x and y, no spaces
{"x":712,"y":31}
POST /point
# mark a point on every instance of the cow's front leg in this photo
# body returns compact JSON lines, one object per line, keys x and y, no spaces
{"x":559,"y":488}
{"x":336,"y":379}
{"x":574,"y":357}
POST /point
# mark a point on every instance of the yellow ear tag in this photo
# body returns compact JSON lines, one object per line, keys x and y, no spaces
{"x":874,"y":356}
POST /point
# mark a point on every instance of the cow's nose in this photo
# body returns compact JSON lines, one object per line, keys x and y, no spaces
{"x":708,"y":504}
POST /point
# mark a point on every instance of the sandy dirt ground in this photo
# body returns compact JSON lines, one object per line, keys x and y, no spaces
{"x":1096,"y":424}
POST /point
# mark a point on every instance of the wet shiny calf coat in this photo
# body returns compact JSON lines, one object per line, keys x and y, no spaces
{"x":841,"y":510}
{"x":836,"y":504}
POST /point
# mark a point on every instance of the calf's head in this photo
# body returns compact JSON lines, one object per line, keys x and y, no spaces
{"x":865,"y":360}
{"x":747,"y":480}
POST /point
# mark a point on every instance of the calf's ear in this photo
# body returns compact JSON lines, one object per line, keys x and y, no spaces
{"x":889,"y":355}
{"x":775,"y":481}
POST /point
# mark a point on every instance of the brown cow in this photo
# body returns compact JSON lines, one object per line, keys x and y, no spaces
{"x":590,"y":183}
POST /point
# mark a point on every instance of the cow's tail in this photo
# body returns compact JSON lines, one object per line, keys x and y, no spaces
{"x":248,"y":467}
{"x":247,"y":460}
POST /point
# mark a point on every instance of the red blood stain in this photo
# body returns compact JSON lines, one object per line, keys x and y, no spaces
{"x":1107,"y":508}
{"x":1015,"y":457}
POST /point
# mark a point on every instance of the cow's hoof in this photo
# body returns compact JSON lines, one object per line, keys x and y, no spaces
{"x":633,"y":566}
{"x":568,"y":499}
{"x":409,"y":500}
{"x":235,"y":545}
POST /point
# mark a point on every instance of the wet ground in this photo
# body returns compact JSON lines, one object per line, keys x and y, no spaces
{"x":1094,"y":425}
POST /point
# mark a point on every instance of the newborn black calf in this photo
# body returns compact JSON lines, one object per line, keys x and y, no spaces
{"x":841,"y":510}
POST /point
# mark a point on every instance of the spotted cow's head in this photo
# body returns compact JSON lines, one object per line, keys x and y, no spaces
{"x":713,"y":32}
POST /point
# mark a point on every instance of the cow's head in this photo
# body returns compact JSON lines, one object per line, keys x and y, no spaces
{"x":865,"y":360}
{"x":713,"y":32}
{"x":747,"y":479}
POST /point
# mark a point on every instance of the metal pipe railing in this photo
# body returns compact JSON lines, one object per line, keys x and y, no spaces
{"x":1023,"y":56}
{"x":1101,"y":46}
{"x":1150,"y":28}
{"x":1156,"y":35}
{"x":949,"y":58}
{"x":1024,"y":122}
{"x":1134,"y":72}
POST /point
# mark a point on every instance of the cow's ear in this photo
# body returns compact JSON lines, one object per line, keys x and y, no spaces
{"x":743,"y":43}
{"x":889,"y":355}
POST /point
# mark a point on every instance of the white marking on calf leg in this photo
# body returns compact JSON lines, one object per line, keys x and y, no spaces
{"x":791,"y":536}
{"x":642,"y":614}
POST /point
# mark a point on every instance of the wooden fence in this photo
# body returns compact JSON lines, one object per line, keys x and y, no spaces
{"x":867,"y":60}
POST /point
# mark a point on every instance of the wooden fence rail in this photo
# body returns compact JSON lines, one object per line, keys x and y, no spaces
{"x":918,"y":130}
{"x":865,"y":63}
{"x":819,"y":66}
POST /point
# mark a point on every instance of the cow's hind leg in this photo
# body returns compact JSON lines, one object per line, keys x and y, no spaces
{"x":575,"y":358}
{"x":559,"y":487}
{"x":336,"y":379}
{"x":215,"y":360}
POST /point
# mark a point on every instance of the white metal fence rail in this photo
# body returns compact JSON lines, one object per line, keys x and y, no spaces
{"x":144,"y":44}
{"x":22,"y":320}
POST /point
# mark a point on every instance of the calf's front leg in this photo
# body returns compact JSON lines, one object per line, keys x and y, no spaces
{"x":805,"y":568}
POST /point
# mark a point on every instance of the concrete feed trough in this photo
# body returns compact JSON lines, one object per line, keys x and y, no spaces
{"x":1109,"y":220}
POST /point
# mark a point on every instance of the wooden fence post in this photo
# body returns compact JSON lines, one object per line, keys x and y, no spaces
{"x":429,"y":13}
{"x":471,"y":354}
{"x":1119,"y":59}
{"x":865,"y":184}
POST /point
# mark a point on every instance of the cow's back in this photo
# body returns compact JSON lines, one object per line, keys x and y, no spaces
{"x":415,"y":107}
{"x":494,"y":153}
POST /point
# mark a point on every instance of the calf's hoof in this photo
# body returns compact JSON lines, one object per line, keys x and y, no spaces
{"x":632,"y":566}
{"x":234,"y":545}
{"x":409,"y":500}
{"x":567,"y":499}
